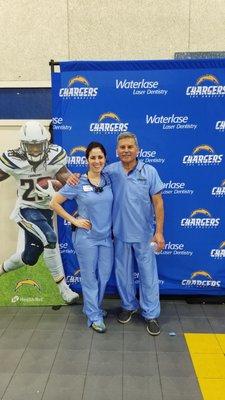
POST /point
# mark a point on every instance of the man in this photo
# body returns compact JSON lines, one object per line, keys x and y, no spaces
{"x":137,"y":201}
{"x":34,"y":160}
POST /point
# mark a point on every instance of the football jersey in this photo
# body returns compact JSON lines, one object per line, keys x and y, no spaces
{"x":14,"y":163}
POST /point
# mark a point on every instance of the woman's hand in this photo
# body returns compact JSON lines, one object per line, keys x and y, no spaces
{"x":82,"y":223}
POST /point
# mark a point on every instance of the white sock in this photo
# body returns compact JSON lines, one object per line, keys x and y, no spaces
{"x":13,"y":262}
{"x":53,"y":262}
{"x":62,"y":285}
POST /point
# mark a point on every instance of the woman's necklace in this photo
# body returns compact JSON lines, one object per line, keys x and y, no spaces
{"x":95,"y":181}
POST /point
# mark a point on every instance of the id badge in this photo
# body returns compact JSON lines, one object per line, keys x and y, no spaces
{"x":87,"y":188}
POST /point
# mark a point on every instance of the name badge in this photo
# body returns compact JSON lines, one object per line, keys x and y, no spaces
{"x":142,"y":179}
{"x":87,"y":188}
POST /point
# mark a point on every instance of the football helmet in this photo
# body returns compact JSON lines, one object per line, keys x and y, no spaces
{"x":34,"y":141}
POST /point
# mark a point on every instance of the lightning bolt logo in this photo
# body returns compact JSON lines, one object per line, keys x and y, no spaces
{"x":202,"y":211}
{"x":207,"y":77}
{"x":77,"y":149}
{"x":78,"y":79}
{"x":109,"y":114}
{"x":203,"y":147}
{"x":27,"y":282}
{"x":201,"y":273}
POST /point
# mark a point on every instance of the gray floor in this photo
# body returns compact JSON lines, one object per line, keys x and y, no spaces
{"x":51,"y":354}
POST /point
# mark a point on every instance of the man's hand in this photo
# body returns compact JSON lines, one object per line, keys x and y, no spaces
{"x":159,"y":218}
{"x":82,"y":223}
{"x":49,"y":192}
{"x":73,"y":179}
{"x":159,"y":239}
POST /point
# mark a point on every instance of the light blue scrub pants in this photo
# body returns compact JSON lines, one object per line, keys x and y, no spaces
{"x":95,"y":259}
{"x":148,"y":277}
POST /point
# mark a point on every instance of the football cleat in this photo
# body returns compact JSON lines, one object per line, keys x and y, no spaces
{"x":68,"y":295}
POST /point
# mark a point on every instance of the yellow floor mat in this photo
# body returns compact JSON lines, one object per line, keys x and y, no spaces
{"x":207,"y":354}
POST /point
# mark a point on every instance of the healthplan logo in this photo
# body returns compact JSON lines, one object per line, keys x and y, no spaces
{"x":78,"y":88}
{"x":140,"y":87}
{"x":219,"y":253}
{"x":207,"y":85}
{"x":36,"y":299}
{"x":219,"y":191}
{"x":77,"y":156}
{"x":176,"y":188}
{"x":108,"y":123}
{"x":170,"y":122}
{"x":200,"y":218}
{"x":203,"y":154}
{"x":150,"y":157}
{"x":175,"y":249}
{"x":201,"y":279}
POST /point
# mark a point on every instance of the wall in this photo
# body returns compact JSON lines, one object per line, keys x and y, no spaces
{"x":36,"y":31}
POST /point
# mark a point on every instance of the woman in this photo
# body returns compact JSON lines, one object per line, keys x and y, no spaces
{"x":92,"y":240}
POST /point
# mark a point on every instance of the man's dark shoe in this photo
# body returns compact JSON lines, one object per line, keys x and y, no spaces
{"x":153,"y":327}
{"x":125,"y":316}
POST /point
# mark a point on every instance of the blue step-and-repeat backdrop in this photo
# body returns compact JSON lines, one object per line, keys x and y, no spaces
{"x":177,"y":110}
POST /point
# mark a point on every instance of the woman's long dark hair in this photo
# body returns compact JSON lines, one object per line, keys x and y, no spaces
{"x":95,"y":145}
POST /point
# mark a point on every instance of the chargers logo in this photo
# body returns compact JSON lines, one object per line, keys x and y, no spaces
{"x":220,"y":126}
{"x":77,"y":156}
{"x":109,"y":114}
{"x":207,"y":78}
{"x":200,"y":211}
{"x":218,"y":253}
{"x":210,"y":158}
{"x":75,"y":278}
{"x":219,"y":191}
{"x":108,"y":123}
{"x":207,"y":85}
{"x":203,"y":147}
{"x":201,"y":273}
{"x":27,"y":282}
{"x":200,"y":279}
{"x":78,"y":79}
{"x":205,"y":220}
{"x":78,"y":88}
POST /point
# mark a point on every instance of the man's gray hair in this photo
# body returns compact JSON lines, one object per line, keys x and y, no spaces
{"x":127,"y":135}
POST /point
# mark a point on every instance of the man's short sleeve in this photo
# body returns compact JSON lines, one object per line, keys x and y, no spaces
{"x":156,"y":185}
{"x":70,"y":192}
{"x":107,"y":169}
